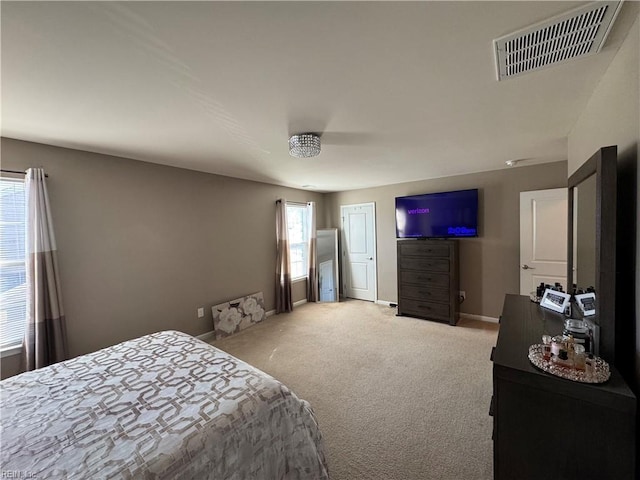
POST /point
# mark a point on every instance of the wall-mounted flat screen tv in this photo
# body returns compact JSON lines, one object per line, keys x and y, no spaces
{"x":438,"y":215}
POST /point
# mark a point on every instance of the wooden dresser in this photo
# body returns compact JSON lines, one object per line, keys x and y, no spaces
{"x":428,"y":285}
{"x":545,"y":427}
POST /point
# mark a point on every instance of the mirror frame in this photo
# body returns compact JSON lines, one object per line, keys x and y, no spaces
{"x":602,"y":164}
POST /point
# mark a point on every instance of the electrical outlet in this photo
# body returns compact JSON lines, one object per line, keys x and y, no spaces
{"x":200,"y":312}
{"x":463,"y":295}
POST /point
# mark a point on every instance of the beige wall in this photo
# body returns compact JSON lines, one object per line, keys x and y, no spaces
{"x":142,"y":246}
{"x":612,"y":117}
{"x":489,"y":264}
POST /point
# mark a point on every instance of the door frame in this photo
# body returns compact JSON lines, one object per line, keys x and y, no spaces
{"x":345,"y":275}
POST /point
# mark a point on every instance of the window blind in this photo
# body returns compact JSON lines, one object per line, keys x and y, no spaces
{"x":13,"y":282}
{"x":298,"y":239}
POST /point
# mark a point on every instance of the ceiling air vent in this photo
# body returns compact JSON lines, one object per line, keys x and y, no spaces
{"x":574,"y":34}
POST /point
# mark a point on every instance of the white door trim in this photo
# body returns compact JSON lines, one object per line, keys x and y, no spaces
{"x":345,"y":271}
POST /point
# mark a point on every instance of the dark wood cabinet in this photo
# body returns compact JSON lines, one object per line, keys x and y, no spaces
{"x":548,"y":427}
{"x":428,"y":285}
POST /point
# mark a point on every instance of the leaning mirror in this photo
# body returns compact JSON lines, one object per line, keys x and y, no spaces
{"x":591,"y":256}
{"x":584,"y":240}
{"x":328,"y":264}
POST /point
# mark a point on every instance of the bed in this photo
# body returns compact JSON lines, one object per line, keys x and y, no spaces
{"x":165,"y":405}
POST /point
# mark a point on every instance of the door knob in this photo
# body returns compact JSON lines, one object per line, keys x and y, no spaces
{"x":370,"y":258}
{"x":527,"y":267}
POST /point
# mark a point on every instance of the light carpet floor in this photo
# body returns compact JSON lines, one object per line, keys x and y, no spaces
{"x":395,"y":397}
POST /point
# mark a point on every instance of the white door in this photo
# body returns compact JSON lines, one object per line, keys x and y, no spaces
{"x":543,"y":239}
{"x":359,"y":251}
{"x":327,"y":288}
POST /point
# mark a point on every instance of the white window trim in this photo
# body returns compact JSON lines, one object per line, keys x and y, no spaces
{"x":11,"y":351}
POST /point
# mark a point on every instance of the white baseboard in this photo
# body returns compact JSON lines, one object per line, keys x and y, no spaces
{"x":468,"y":316}
{"x":207,"y":337}
{"x":386,"y":303}
{"x":295,"y":304}
{"x":482,"y":318}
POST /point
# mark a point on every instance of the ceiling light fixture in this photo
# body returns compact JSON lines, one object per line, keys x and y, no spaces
{"x":511,"y":163}
{"x":304,"y":145}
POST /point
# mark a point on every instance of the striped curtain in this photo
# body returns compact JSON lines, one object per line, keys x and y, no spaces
{"x":45,"y":340}
{"x":312,"y":254}
{"x":284,"y":302}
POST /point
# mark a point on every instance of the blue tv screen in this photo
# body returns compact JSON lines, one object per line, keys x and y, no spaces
{"x":438,"y":215}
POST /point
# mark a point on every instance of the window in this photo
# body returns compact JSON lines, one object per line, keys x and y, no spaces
{"x":298,"y":239}
{"x":13,"y":282}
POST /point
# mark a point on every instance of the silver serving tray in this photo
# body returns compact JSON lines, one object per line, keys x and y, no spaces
{"x":600,"y":374}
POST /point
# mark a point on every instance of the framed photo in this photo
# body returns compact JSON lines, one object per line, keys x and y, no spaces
{"x":587,"y":303}
{"x":556,"y":301}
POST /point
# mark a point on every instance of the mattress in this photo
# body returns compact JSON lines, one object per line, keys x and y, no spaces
{"x":164,"y":405}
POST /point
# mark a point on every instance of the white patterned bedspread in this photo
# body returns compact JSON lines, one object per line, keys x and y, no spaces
{"x":165,"y":405}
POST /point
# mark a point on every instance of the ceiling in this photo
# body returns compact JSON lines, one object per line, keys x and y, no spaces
{"x":398,"y":91}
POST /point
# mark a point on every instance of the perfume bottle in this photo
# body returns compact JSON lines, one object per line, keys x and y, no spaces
{"x":579,"y":358}
{"x":546,"y":347}
{"x":557,"y":344}
{"x":562,"y":359}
